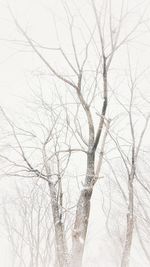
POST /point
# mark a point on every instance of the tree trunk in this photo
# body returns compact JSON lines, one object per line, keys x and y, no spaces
{"x":60,"y":240}
{"x":82,"y":215}
{"x":61,"y":250}
{"x":129,"y":231}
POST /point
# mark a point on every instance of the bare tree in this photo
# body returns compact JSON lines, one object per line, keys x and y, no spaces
{"x":61,"y":125}
{"x":130,"y":156}
{"x":33,"y":236}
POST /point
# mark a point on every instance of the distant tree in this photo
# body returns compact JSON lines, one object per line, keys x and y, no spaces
{"x":75,"y":121}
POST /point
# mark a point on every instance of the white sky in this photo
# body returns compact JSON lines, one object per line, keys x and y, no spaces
{"x":17,"y":67}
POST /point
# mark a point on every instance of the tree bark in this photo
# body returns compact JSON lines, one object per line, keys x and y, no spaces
{"x":130,"y":225}
{"x":60,"y":240}
{"x":82,"y":214}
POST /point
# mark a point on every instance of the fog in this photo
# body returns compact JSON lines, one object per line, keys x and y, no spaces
{"x":24,"y":79}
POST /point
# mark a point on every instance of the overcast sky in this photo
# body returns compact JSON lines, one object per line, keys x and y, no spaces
{"x":19,"y":66}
